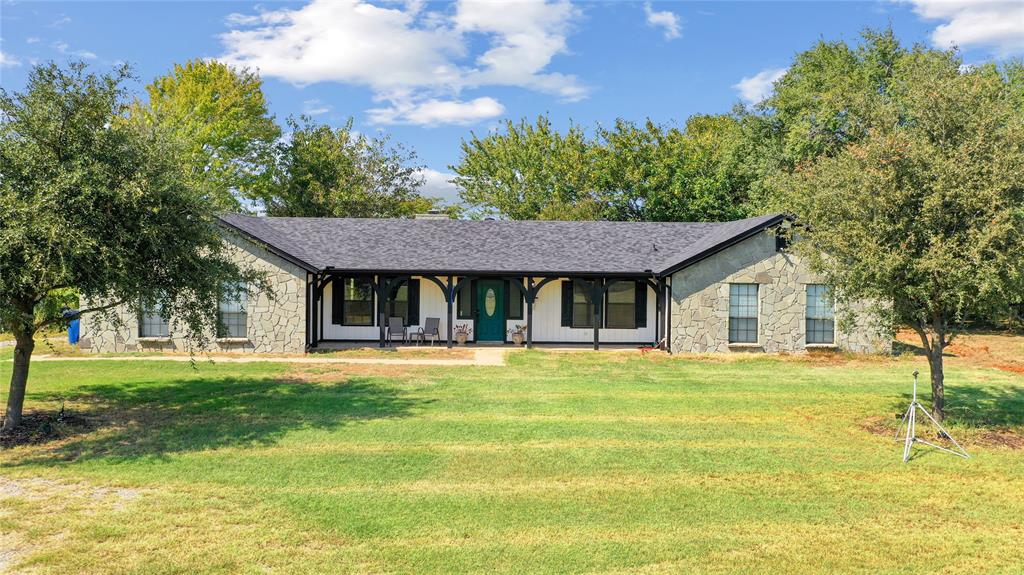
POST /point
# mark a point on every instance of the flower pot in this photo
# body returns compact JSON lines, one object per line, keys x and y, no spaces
{"x":518,"y":338}
{"x":461,"y":338}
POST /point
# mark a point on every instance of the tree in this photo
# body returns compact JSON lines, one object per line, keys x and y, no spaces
{"x":648,"y":172}
{"x":661,"y":173}
{"x":323,"y":172}
{"x":924,"y":209}
{"x":220,"y":115}
{"x":531,"y":171}
{"x":822,"y":100}
{"x":91,"y":201}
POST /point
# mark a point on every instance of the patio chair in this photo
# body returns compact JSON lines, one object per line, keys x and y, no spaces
{"x":396,"y":326}
{"x":431,"y":329}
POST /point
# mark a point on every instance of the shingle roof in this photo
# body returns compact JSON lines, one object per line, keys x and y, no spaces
{"x":509,"y":247}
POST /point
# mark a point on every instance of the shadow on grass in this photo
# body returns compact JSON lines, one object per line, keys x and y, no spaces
{"x":973,"y":406}
{"x":905,"y":348}
{"x":153,"y":419}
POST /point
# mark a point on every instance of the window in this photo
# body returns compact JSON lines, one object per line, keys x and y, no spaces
{"x":152,"y":323}
{"x":582,"y":308}
{"x":405,"y":302}
{"x":232,"y":312}
{"x":465,"y":300}
{"x":399,"y":304}
{"x":356,"y":301}
{"x":621,"y":305}
{"x":514,"y":300}
{"x":820,"y":317}
{"x":742,"y":313}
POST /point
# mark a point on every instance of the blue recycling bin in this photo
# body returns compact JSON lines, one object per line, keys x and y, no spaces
{"x":73,"y":331}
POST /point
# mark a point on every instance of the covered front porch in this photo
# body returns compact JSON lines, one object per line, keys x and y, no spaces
{"x":348,"y":307}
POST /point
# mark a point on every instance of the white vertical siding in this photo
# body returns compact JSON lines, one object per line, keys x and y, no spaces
{"x":432,"y":304}
{"x":547,"y":318}
{"x":547,"y":321}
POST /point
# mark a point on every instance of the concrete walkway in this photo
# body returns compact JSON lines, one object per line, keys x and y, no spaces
{"x":493,"y":356}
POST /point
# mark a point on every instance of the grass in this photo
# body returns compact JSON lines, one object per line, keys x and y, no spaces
{"x":559,"y":463}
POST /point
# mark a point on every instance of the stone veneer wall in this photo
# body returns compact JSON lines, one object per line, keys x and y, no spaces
{"x":277,"y":326}
{"x":700,"y":303}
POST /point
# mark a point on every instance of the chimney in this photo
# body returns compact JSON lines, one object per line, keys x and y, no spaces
{"x":434,"y":214}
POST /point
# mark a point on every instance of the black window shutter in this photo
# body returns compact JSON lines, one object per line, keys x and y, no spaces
{"x":567,"y":303}
{"x":414,"y":302}
{"x":641,"y":304}
{"x":337,"y":299}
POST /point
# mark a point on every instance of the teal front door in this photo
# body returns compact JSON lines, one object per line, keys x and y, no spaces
{"x":490,"y":320}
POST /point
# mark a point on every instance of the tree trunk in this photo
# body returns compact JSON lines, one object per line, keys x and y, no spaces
{"x":938,"y":388}
{"x":933,"y":348}
{"x":24,"y":344}
{"x":935,"y":363}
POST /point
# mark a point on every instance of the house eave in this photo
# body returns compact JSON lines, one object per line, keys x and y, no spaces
{"x":269,"y":247}
{"x":723,"y":245}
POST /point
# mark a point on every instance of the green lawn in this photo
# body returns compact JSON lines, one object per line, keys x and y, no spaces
{"x":559,"y":463}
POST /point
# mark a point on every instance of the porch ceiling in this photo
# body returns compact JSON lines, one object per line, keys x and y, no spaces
{"x":505,"y":247}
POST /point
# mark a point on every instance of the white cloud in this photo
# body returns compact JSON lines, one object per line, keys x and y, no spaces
{"x":438,"y":185}
{"x":437,"y":112}
{"x":60,"y":22}
{"x":416,"y":62}
{"x":64,"y":48}
{"x":996,"y":24}
{"x":8,"y":60}
{"x":664,"y":19}
{"x":314,"y":107}
{"x":32,"y":40}
{"x":524,"y":37}
{"x":754,"y":89}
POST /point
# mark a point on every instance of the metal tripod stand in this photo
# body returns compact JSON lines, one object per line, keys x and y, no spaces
{"x":909,"y":424}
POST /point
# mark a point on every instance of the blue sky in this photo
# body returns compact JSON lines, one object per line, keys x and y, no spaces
{"x":430,"y":73}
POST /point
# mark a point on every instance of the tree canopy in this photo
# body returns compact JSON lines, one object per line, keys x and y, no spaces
{"x":628,"y":172}
{"x":220,"y":116}
{"x":325,"y":172}
{"x":909,"y":195}
{"x":92,"y":201}
{"x":531,"y":171}
{"x":662,"y":173}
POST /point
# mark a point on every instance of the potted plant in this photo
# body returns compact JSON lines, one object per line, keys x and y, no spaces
{"x":462,"y":331}
{"x":518,"y":334}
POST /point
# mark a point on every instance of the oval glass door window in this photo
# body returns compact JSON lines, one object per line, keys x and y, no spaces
{"x":490,"y":302}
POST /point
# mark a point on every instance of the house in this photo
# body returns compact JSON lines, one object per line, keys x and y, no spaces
{"x":696,"y":287}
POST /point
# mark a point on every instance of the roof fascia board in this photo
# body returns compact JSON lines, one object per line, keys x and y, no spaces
{"x":723,"y":245}
{"x":269,"y":247}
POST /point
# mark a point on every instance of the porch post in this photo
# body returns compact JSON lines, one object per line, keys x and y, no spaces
{"x":596,"y":290}
{"x":382,"y":291}
{"x":530,"y":296}
{"x":657,"y":315}
{"x":667,"y":289}
{"x":313,"y":311}
{"x":449,"y":295}
{"x":320,"y":310}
